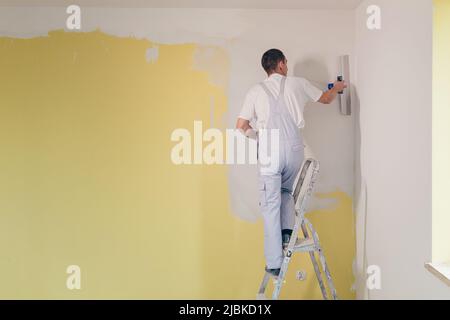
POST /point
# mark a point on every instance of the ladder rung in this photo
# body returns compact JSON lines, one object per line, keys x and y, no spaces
{"x":304,"y":244}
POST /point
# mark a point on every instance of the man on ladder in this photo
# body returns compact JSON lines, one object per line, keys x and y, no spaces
{"x":278,"y":103}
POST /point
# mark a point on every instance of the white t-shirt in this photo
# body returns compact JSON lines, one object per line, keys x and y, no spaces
{"x":297,"y":92}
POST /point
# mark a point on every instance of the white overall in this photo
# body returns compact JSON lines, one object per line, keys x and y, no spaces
{"x":276,"y":182}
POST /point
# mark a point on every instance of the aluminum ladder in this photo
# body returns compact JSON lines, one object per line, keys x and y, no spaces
{"x":306,"y":243}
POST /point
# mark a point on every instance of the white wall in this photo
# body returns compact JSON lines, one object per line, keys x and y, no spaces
{"x":393,"y":80}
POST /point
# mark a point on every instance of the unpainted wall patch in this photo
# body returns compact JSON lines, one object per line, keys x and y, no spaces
{"x":151,"y":54}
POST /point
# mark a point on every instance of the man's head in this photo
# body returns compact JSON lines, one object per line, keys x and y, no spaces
{"x":274,"y":61}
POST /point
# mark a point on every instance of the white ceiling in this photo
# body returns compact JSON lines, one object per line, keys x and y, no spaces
{"x":244,"y":4}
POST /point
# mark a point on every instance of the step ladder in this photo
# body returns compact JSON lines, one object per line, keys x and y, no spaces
{"x":307,"y":243}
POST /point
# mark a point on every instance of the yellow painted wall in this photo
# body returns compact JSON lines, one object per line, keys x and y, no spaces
{"x":86,"y":178}
{"x":441,"y":131}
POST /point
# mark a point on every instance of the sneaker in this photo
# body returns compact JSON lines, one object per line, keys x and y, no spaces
{"x":273,"y":272}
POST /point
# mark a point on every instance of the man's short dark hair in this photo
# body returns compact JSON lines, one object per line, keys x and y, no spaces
{"x":271,"y":58}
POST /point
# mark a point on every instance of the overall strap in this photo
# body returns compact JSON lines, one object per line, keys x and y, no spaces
{"x":283,"y":105}
{"x":282,"y":85}
{"x":263,"y":85}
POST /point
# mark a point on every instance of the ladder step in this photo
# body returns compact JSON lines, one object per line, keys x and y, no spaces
{"x":305,"y":244}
